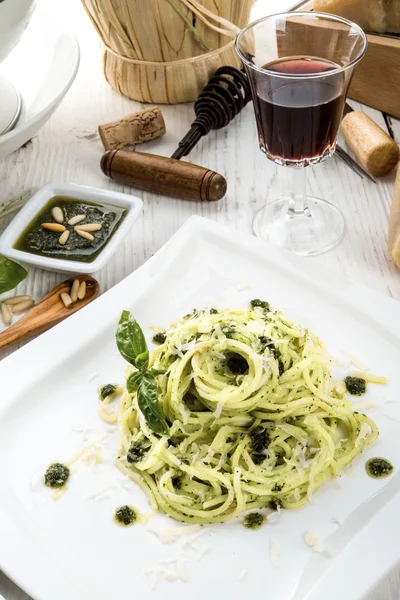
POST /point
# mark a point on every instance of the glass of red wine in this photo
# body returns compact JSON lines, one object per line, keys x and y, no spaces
{"x":300,"y":66}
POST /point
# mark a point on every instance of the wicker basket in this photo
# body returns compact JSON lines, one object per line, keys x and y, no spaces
{"x":164,"y":51}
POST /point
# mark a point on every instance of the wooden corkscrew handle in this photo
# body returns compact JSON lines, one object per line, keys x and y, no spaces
{"x":163,"y":175}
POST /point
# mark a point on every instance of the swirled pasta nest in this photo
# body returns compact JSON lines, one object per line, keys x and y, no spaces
{"x":255,"y":418}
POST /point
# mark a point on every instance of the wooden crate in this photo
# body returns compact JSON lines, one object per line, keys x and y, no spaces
{"x":377,"y":78}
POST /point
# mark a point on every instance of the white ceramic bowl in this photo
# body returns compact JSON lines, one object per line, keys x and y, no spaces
{"x":80,"y":192}
{"x":43,"y":67}
{"x":14,"y":17}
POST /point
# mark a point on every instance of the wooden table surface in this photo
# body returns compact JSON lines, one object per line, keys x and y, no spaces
{"x":68,"y":148}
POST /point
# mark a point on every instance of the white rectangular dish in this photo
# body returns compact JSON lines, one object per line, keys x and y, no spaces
{"x":48,"y":410}
{"x":85,"y":193}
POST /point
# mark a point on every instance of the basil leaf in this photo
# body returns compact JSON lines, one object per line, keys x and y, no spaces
{"x":129,"y":337}
{"x":142,"y":361}
{"x":149,"y":405}
{"x":133,"y":381}
{"x":156,"y":372}
{"x":11,"y":274}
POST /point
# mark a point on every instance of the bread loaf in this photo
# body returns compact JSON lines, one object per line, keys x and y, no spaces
{"x":372,"y":15}
{"x":394,"y":224}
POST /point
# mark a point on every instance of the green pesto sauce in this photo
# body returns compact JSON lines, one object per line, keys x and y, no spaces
{"x":378,"y":468}
{"x":254,"y":520}
{"x":56,"y":475}
{"x":36,"y":240}
{"x":125,"y":515}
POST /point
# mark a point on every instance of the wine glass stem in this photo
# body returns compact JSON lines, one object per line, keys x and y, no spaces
{"x":298,"y":206}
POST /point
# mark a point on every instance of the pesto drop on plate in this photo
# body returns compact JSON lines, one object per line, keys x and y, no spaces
{"x":36,"y":240}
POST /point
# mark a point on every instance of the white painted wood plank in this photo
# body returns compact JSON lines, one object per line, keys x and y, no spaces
{"x":64,"y":150}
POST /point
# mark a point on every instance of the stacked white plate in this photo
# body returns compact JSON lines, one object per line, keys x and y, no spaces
{"x":42,"y":67}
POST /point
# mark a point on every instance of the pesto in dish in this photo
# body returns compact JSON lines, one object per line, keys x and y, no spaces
{"x":37,"y":240}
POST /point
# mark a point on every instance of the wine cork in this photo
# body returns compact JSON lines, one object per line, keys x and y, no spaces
{"x":141,"y":126}
{"x":373,"y":147}
{"x":394,"y":224}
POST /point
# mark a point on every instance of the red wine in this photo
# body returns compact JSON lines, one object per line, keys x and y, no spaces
{"x":299,"y":118}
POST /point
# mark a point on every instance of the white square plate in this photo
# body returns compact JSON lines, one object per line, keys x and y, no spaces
{"x":132,"y":204}
{"x":72,"y":549}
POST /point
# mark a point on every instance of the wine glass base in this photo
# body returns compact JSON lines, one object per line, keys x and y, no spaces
{"x":319,"y":229}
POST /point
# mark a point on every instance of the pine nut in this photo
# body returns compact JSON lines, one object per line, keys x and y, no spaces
{"x":84,"y":234}
{"x":82,"y":290}
{"x":89,"y":227}
{"x":66,"y":298}
{"x":22,"y":306}
{"x":58,"y":214}
{"x":6,"y":314}
{"x":76,"y":219}
{"x":74,"y":290}
{"x":63,"y":239}
{"x":16,"y":300}
{"x":53,"y":227}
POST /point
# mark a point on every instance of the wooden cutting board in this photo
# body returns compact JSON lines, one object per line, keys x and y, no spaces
{"x":377,"y":78}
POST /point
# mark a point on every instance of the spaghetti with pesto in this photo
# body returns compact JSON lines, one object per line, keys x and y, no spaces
{"x":252,"y":414}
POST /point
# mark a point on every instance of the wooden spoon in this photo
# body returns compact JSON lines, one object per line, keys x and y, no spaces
{"x":48,"y":312}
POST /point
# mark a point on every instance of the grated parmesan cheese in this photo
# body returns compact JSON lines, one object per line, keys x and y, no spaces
{"x":353,"y":360}
{"x":35,"y":480}
{"x":311,"y":539}
{"x":92,"y":456}
{"x":181,"y":571}
{"x":370,"y":378}
{"x":171,"y":535}
{"x":102,"y":494}
{"x":175,"y":568}
{"x":366,"y":405}
{"x":218,"y":410}
{"x":242,"y":575}
{"x":275,"y":516}
{"x":92,"y":377}
{"x":365,"y":431}
{"x":156,"y":328}
{"x":274,"y":553}
{"x":341,"y":387}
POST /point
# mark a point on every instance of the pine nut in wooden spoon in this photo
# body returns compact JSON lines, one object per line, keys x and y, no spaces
{"x":48,"y":312}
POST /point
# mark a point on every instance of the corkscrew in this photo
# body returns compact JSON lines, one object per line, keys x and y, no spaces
{"x":224,"y":97}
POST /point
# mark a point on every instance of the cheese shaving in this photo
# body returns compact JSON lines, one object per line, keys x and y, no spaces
{"x":361,"y":366}
{"x":366,"y":405}
{"x":92,"y":377}
{"x":365,"y":431}
{"x":311,"y":539}
{"x":218,"y":410}
{"x":171,"y":535}
{"x":274,"y":553}
{"x":370,"y":378}
{"x":275,"y":516}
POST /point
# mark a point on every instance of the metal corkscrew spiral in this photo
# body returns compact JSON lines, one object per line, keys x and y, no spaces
{"x":225,"y":95}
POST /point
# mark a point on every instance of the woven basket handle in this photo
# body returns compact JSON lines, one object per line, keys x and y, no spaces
{"x":205,"y":15}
